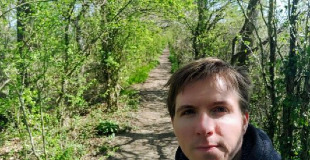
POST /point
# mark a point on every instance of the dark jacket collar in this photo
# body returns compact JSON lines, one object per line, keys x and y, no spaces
{"x":256,"y":146}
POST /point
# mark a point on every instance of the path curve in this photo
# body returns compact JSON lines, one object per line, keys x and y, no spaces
{"x":153,"y":138}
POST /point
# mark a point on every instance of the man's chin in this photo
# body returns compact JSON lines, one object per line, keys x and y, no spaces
{"x":213,"y":154}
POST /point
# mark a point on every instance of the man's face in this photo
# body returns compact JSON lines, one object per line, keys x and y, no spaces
{"x":208,"y":122}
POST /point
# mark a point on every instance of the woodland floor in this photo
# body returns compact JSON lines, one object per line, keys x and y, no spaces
{"x":153,"y":136}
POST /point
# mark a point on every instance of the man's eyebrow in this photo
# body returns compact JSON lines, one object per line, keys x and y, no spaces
{"x":223,"y":103}
{"x":220,"y":103}
{"x":182,"y":107}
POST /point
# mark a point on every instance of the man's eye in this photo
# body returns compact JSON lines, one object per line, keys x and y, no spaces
{"x":188,"y":112}
{"x":220,"y":109}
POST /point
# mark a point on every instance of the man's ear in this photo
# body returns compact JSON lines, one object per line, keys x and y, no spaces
{"x":245,"y":121}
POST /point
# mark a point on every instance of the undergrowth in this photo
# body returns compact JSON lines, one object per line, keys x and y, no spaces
{"x":142,"y":73}
{"x":173,"y":59}
{"x":81,"y":137}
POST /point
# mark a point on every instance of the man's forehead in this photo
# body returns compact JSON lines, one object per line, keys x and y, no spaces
{"x":221,"y":82}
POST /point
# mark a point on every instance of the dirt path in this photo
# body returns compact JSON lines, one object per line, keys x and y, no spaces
{"x":153,"y":138}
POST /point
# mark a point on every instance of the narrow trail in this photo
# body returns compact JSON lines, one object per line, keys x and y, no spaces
{"x":153,"y":138}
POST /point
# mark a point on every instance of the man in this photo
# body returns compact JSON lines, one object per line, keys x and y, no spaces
{"x":208,"y":105}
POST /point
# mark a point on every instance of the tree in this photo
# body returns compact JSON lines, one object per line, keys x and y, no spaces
{"x":305,"y":89}
{"x":209,"y":14}
{"x":23,"y":13}
{"x":241,"y":52}
{"x":290,"y":82}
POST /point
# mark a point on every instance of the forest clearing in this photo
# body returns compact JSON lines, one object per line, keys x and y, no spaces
{"x":83,"y":79}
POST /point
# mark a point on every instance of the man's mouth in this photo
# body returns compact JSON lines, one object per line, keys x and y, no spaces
{"x":207,"y":147}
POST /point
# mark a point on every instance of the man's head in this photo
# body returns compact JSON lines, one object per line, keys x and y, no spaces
{"x":208,"y":105}
{"x":237,"y":79}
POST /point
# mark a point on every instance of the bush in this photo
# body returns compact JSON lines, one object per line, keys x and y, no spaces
{"x":107,"y":128}
{"x":67,"y":154}
{"x":3,"y":122}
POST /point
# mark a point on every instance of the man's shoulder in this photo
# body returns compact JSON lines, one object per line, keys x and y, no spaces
{"x":179,"y":155}
{"x":258,"y":146}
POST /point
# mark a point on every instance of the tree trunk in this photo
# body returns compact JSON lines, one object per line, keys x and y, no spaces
{"x":305,"y":130}
{"x":304,"y":133}
{"x":22,"y":106}
{"x":272,"y":118}
{"x":207,"y":19}
{"x":241,"y":51}
{"x":201,"y":4}
{"x":290,"y":75}
{"x":22,"y":14}
{"x":62,"y":98}
{"x":110,"y":50}
{"x":195,"y":46}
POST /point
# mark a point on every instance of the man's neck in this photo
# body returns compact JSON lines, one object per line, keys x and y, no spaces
{"x":237,"y":156}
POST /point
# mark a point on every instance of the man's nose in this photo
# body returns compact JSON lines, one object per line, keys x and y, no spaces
{"x":205,"y":125}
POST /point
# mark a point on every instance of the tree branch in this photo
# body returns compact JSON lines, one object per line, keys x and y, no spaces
{"x":122,"y":9}
{"x":4,"y":83}
{"x":22,"y":4}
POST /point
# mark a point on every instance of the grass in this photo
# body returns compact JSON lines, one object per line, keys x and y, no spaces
{"x":174,"y":63}
{"x":141,"y":74}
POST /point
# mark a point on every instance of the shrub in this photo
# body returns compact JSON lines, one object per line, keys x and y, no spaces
{"x":3,"y":122}
{"x":107,"y":128}
{"x":67,"y":154}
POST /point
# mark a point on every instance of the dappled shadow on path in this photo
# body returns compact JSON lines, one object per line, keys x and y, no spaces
{"x":157,"y":141}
